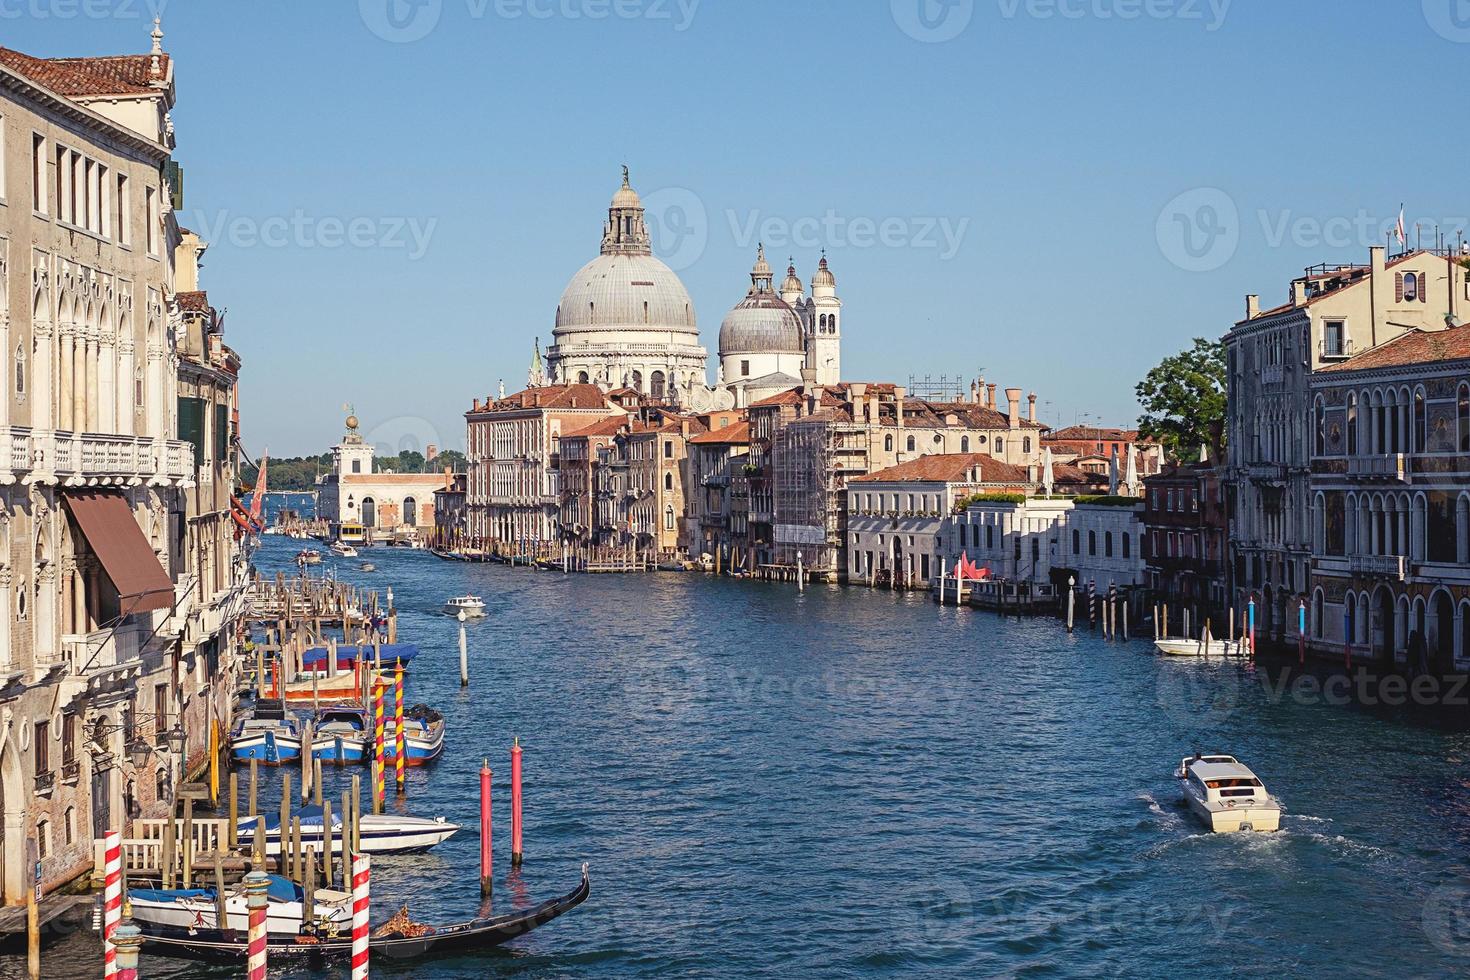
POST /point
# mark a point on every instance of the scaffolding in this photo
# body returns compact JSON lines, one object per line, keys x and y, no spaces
{"x":941,"y":389}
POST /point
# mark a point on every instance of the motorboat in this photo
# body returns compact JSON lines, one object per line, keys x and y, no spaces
{"x":1203,"y":647}
{"x":378,"y":833}
{"x":342,"y":549}
{"x":308,"y":556}
{"x":470,"y":605}
{"x":340,"y":735}
{"x":1226,"y":795}
{"x":423,"y":737}
{"x":314,"y":659}
{"x":268,"y":734}
{"x":367,"y":566}
{"x":198,"y":908}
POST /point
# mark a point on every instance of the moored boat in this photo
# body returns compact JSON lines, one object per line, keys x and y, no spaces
{"x":198,"y":908}
{"x":267,"y":735}
{"x":379,"y":833}
{"x":340,"y":735}
{"x":308,"y":556}
{"x":1226,"y":795}
{"x":1205,"y":646}
{"x":423,"y":736}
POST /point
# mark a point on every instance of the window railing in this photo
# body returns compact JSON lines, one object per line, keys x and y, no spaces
{"x":1336,"y":350}
{"x":45,"y":781}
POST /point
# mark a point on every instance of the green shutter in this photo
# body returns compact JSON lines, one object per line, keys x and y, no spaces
{"x":191,"y":425}
{"x":221,"y":433}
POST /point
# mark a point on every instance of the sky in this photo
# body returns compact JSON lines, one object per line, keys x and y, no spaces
{"x":1054,"y":193}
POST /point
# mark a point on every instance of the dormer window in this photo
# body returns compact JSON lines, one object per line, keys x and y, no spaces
{"x":1409,"y":287}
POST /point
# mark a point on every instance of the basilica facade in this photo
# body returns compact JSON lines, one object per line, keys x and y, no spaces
{"x":625,"y":321}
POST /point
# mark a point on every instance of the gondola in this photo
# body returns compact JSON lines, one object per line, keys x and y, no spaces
{"x":473,"y":936}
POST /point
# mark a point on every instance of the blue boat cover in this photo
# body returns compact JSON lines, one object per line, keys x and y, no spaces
{"x":280,"y":890}
{"x":387,"y":653}
{"x":311,"y":817}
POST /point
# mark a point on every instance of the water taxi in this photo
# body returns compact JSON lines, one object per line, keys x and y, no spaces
{"x":1226,"y":795}
{"x":342,"y":549}
{"x":308,"y":556}
{"x":1205,"y":646}
{"x":352,"y":534}
{"x":470,"y":605}
{"x":198,"y":908}
{"x":379,"y":833}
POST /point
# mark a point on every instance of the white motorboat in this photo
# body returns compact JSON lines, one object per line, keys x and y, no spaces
{"x":342,"y":549}
{"x":470,"y":605}
{"x":1226,"y":795}
{"x":379,"y":833}
{"x":1206,"y":646}
{"x":197,"y":908}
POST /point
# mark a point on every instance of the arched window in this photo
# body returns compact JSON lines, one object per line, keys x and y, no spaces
{"x":1076,"y":542}
{"x":1352,"y":423}
{"x":911,"y":444}
{"x":669,"y":518}
{"x":1092,"y":542}
{"x":369,"y":512}
{"x":656,"y":384}
{"x":1127,"y":545}
{"x":888,"y":443}
{"x":1421,"y":424}
{"x":410,"y":511}
{"x":1000,"y":445}
{"x":668,"y":481}
{"x":583,"y":377}
{"x":1319,"y":426}
{"x":964,"y":444}
{"x":1108,"y":544}
{"x":1411,"y":287}
{"x":1462,"y":412}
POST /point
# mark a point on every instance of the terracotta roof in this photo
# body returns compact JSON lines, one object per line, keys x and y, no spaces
{"x":781,"y":398}
{"x":735,"y":434}
{"x":949,"y":468}
{"x":1351,"y":275}
{"x":1063,"y":473}
{"x":602,"y":427}
{"x":196,"y":301}
{"x":128,"y":74}
{"x":1414,"y":347}
{"x":1093,"y":433}
{"x":550,"y":397}
{"x":427,"y":479}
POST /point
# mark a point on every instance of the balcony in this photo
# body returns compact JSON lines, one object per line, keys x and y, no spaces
{"x":71,"y":772}
{"x":1383,"y":466}
{"x":1388,"y":566}
{"x":1339,"y":349}
{"x":102,"y":650}
{"x":1273,"y":374}
{"x":93,"y":459}
{"x":1266,"y":472}
{"x":45,"y":781}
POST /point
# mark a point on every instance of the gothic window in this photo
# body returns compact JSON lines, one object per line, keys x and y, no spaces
{"x":911,"y":444}
{"x":964,"y":444}
{"x":1462,"y":410}
{"x":1421,"y":424}
{"x":1352,"y":423}
{"x":669,"y":518}
{"x":668,"y":481}
{"x":20,"y":370}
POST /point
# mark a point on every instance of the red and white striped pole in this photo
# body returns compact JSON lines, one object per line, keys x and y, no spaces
{"x":360,"y":878}
{"x":399,"y":746}
{"x":487,"y":856}
{"x":111,"y":899}
{"x":378,"y":789}
{"x":515,"y":804}
{"x":256,"y":884}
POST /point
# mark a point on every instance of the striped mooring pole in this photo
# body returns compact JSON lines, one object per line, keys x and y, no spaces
{"x":360,"y":879}
{"x":379,"y":793}
{"x":128,"y":939}
{"x":111,"y":899}
{"x":256,"y":883}
{"x":398,"y":739}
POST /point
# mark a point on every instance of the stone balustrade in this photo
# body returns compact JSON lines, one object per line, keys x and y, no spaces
{"x":92,"y":459}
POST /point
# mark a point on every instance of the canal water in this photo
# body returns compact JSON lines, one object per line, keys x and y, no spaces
{"x":838,"y":782}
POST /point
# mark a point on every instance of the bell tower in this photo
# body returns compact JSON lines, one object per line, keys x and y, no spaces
{"x":824,"y":342}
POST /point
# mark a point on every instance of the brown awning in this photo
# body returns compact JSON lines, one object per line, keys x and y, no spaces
{"x":107,"y":521}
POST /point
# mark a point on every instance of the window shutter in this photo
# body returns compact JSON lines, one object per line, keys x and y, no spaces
{"x":221,"y":433}
{"x":1424,"y":288}
{"x":1398,"y":287}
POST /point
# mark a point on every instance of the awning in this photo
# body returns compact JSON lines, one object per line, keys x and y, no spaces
{"x":107,"y":522}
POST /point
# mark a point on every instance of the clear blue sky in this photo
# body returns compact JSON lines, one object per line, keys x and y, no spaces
{"x":1054,"y":137}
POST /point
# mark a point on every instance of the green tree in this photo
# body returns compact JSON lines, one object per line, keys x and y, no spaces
{"x":1183,"y":401}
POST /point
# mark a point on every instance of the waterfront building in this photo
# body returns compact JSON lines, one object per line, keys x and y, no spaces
{"x":1049,"y":541}
{"x":1103,"y":545}
{"x":513,"y":445}
{"x":716,"y":458}
{"x":1333,"y":311}
{"x":1389,"y":438}
{"x":823,"y":436}
{"x":107,"y":637}
{"x":449,"y":511}
{"x":1184,"y":538}
{"x":587,"y":514}
{"x":900,"y":520}
{"x":390,"y":507}
{"x":646,"y":469}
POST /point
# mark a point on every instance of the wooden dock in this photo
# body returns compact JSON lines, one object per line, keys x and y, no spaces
{"x":52,"y":907}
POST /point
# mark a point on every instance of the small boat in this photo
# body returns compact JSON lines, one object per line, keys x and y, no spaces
{"x":340,"y":735}
{"x":367,"y":566}
{"x":396,"y":939}
{"x":342,"y":549}
{"x":1226,"y":795}
{"x":672,"y":566}
{"x":314,"y":659}
{"x":267,"y":735}
{"x":198,"y":909}
{"x":423,"y":736}
{"x":320,"y":688}
{"x":1205,"y":646}
{"x":470,"y":605}
{"x":379,"y":833}
{"x":308,"y":556}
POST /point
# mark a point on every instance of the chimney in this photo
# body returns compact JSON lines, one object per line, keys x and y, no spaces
{"x":430,"y":451}
{"x":1013,"y":399}
{"x":1030,"y":472}
{"x":1031,"y":406}
{"x":898,"y":392}
{"x":684,"y":427}
{"x":990,"y":396}
{"x":1298,"y":292}
{"x":1252,"y":306}
{"x":1377,"y":259}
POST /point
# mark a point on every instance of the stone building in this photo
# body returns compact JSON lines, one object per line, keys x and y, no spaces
{"x":449,"y":512}
{"x":513,"y":446}
{"x":716,"y":458}
{"x":900,"y":519}
{"x":1333,"y":311}
{"x":113,"y":567}
{"x":646,"y":481}
{"x":587,"y":513}
{"x":1184,"y":538}
{"x":387,"y":506}
{"x":769,"y":339}
{"x":1389,"y":438}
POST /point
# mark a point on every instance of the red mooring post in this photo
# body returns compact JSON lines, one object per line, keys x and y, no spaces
{"x":515,"y":804}
{"x":487,"y":859}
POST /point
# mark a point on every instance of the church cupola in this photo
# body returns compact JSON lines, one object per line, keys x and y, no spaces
{"x":760,"y":275}
{"x":824,"y":283}
{"x":792,"y":289}
{"x":625,"y":232}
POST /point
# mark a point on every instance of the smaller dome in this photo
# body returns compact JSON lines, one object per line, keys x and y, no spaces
{"x":626,"y":196}
{"x":762,"y":268}
{"x":792,"y":283}
{"x":824,"y":275}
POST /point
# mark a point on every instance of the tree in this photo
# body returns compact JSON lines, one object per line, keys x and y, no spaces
{"x":1183,"y":401}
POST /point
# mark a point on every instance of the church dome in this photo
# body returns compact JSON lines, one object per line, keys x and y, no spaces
{"x":762,"y":322}
{"x":823,"y":276}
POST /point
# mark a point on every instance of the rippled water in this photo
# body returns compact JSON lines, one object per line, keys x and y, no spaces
{"x":841,"y":782}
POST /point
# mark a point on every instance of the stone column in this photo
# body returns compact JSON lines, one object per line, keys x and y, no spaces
{"x":7,"y":608}
{"x":65,"y":415}
{"x":40,"y":388}
{"x":107,"y":383}
{"x":45,"y":615}
{"x":90,"y":391}
{"x":125,"y":387}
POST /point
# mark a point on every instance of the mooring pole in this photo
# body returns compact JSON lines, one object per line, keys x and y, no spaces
{"x":399,"y":743}
{"x":256,"y":884}
{"x":487,"y":860}
{"x":464,"y":656}
{"x":515,"y":804}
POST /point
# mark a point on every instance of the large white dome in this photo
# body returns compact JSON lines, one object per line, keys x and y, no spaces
{"x":625,"y":292}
